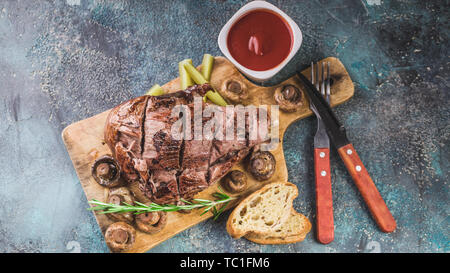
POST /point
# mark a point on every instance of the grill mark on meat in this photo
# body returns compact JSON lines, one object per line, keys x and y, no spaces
{"x":144,"y":114}
{"x":177,"y":177}
{"x":247,"y":138}
{"x":180,"y":162}
{"x":209,"y":164}
{"x":144,"y":175}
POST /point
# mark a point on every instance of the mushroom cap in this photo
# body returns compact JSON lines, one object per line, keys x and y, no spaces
{"x":120,"y":236}
{"x":262,"y":165}
{"x":288,"y":97}
{"x":234,"y":89}
{"x":150,"y":218}
{"x":106,"y":171}
{"x":118,"y":196}
{"x":145,"y":222}
{"x":235,"y":181}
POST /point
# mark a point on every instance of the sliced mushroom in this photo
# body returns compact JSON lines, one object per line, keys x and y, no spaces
{"x":119,"y":196}
{"x":262,"y":165}
{"x":120,"y":236}
{"x":151,"y":222}
{"x":234,"y":90}
{"x":184,"y":211}
{"x":288,"y":97}
{"x":235,"y":181}
{"x":106,"y":171}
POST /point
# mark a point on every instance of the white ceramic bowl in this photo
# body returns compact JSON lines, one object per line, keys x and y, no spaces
{"x":259,"y":76}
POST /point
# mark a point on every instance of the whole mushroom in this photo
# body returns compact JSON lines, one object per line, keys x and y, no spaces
{"x":288,"y":97}
{"x":119,"y":196}
{"x":262,"y":165}
{"x":235,"y":181}
{"x":106,"y":171}
{"x":120,"y":236}
{"x":151,"y":222}
{"x":234,"y":90}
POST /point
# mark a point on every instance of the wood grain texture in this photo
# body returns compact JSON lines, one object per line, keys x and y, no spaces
{"x":324,"y":196}
{"x":84,"y":143}
{"x":367,"y":188}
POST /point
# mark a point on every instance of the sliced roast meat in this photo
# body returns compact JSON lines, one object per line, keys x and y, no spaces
{"x":192,"y":181}
{"x":162,"y":186}
{"x":166,"y":185}
{"x":125,"y":160}
{"x":224,"y":164}
{"x":233,"y":137}
{"x":196,"y":153}
{"x":123,"y":134}
{"x":166,"y":168}
{"x":195,"y":161}
{"x":243,"y":125}
{"x":124,"y":124}
{"x":161,"y":151}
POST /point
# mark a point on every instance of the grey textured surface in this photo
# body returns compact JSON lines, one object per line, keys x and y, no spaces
{"x":63,"y":61}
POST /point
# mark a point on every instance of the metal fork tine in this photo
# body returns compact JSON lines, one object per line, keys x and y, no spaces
{"x":328,"y":83}
{"x":322,"y":84}
{"x":317,"y":76}
{"x":312,"y":72}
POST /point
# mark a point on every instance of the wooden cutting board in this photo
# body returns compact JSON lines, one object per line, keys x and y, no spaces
{"x":84,"y":142}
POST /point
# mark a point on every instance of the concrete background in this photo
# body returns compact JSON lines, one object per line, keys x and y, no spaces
{"x":63,"y":61}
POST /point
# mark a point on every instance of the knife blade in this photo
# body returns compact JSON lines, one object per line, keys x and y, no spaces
{"x":337,"y":134}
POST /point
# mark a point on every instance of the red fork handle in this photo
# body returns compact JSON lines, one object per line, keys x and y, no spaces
{"x":367,"y":188}
{"x":324,"y":198}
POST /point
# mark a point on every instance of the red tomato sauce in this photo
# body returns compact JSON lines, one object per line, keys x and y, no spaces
{"x":260,"y":40}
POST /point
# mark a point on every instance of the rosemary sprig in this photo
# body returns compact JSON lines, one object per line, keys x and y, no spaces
{"x":222,"y":200}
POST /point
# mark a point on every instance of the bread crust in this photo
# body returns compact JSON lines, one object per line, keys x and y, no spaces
{"x":237,"y":234}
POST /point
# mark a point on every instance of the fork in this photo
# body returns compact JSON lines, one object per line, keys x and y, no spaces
{"x":324,"y":199}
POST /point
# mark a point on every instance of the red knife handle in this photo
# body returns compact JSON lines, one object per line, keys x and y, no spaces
{"x":367,"y":188}
{"x":324,"y":198}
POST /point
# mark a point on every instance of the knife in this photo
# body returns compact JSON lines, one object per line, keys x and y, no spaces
{"x":336,"y":133}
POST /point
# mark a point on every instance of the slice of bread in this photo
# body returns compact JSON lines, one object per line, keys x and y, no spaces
{"x":292,"y":231}
{"x":263,"y":211}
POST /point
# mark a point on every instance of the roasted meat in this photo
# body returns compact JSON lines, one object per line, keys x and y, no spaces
{"x":139,"y":135}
